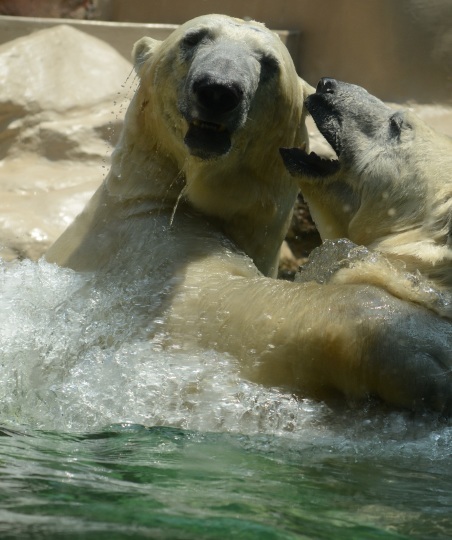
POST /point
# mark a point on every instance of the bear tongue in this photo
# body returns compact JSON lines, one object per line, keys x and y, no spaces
{"x":207,"y":141}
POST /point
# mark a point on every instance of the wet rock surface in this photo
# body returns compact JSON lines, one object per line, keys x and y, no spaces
{"x":60,"y":115}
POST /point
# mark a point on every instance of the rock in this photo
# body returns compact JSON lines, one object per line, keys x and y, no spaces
{"x":78,"y":9}
{"x":60,"y":115}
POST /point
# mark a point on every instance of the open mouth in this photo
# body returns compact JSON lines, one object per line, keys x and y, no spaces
{"x":207,"y":140}
{"x":209,"y":125}
{"x":326,"y":117}
{"x":300,"y":163}
{"x":297,"y":161}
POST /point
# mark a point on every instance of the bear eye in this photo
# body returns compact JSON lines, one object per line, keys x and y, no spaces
{"x":194,"y":37}
{"x":270,"y":66}
{"x":397,"y":123}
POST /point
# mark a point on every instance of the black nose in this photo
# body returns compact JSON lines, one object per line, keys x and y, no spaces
{"x":326,"y":85}
{"x":217,"y":98}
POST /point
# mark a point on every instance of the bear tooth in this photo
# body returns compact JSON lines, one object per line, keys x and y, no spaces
{"x":209,"y":125}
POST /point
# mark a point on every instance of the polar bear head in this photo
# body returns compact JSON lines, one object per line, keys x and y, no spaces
{"x":391,"y":187}
{"x":215,"y":80}
{"x":215,"y":101}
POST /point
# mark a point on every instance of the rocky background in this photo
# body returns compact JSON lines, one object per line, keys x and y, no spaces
{"x":60,"y":115}
{"x":72,"y":9}
{"x":62,"y":102}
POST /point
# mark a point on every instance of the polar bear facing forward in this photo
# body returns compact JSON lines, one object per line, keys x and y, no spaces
{"x":215,"y":100}
{"x":195,"y":207}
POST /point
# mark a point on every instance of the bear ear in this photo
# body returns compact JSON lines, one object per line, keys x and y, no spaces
{"x":142,"y":51}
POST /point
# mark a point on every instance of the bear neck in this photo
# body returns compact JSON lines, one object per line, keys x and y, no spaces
{"x":147,"y":182}
{"x":252,"y":205}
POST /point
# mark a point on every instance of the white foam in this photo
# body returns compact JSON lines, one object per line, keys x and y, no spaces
{"x":76,"y":357}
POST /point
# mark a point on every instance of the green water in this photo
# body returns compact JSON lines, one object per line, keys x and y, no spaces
{"x":128,"y":481}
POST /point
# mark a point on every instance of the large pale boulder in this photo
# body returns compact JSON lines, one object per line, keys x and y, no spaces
{"x":60,"y":107}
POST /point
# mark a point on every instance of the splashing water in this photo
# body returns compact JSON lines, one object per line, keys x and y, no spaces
{"x":79,"y":355}
{"x":73,"y":359}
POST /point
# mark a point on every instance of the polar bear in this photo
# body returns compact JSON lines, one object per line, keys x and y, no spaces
{"x":196,"y":205}
{"x":390,"y":188}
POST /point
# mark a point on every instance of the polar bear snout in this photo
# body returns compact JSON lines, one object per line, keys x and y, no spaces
{"x":344,"y":112}
{"x":216,"y":96}
{"x":214,"y":109}
{"x":220,"y":83}
{"x":326,"y":85}
{"x":215,"y":99}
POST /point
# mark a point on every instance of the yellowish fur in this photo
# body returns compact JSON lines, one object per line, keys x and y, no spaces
{"x":395,"y":200}
{"x":155,"y":168}
{"x":204,"y":236}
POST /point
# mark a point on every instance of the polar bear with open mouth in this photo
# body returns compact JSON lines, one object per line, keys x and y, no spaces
{"x":390,"y":189}
{"x":198,"y":195}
